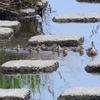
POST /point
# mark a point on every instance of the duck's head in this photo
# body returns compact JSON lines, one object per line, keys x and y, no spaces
{"x":92,"y":44}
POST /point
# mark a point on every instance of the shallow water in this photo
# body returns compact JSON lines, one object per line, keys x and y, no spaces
{"x":71,"y":71}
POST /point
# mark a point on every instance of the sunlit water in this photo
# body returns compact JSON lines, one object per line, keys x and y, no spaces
{"x":71,"y":71}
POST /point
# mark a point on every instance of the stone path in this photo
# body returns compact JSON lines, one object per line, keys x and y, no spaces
{"x":29,"y":66}
{"x":7,"y":28}
{"x":81,"y":93}
{"x":61,"y":39}
{"x":93,"y":66}
{"x":6,"y":33}
{"x":78,"y":18}
{"x":89,"y":1}
{"x":11,"y":24}
{"x":14,"y":94}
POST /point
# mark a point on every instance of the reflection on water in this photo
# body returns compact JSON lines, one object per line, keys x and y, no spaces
{"x":71,"y":71}
{"x":29,"y":27}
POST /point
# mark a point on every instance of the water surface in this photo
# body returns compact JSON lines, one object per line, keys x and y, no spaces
{"x":71,"y":71}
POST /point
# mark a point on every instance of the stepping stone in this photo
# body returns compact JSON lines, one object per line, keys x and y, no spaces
{"x":78,"y":18}
{"x":93,"y":66}
{"x":29,"y":66}
{"x":27,"y":12}
{"x":12,"y":24}
{"x":89,"y":1}
{"x":42,"y":3}
{"x":14,"y":94}
{"x":6,"y":33}
{"x":81,"y":93}
{"x":61,"y":39}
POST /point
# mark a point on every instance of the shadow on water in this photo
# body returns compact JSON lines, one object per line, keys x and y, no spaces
{"x":29,"y":27}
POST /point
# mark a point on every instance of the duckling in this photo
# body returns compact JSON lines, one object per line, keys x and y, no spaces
{"x":79,"y":49}
{"x":4,"y":49}
{"x":51,"y":48}
{"x":37,"y":48}
{"x":91,"y":51}
{"x":30,"y":48}
{"x":60,"y":49}
{"x":63,"y":49}
{"x":16,"y":48}
{"x":43,"y":47}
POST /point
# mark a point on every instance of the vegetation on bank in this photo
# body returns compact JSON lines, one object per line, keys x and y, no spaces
{"x":17,"y":4}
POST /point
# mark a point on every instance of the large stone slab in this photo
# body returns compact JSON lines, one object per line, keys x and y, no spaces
{"x":89,"y":1}
{"x":12,"y":24}
{"x":14,"y":94}
{"x":78,"y":18}
{"x":93,"y":66}
{"x":29,"y":66}
{"x":61,"y":39}
{"x":81,"y":93}
{"x":6,"y":33}
{"x":42,"y":3}
{"x":27,"y":12}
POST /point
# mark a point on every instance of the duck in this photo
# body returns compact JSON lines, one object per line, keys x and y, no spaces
{"x":43,"y":47}
{"x":60,"y":49}
{"x":16,"y":48}
{"x":4,"y":49}
{"x":51,"y":48}
{"x":48,"y":48}
{"x":79,"y":49}
{"x":30,"y":48}
{"x":37,"y":48}
{"x":91,"y":51}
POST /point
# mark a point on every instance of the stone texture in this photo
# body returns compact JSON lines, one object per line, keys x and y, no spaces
{"x":78,"y":18}
{"x":42,"y":3}
{"x":11,"y":24}
{"x":93,"y":66}
{"x":81,"y":93}
{"x":89,"y":1}
{"x":6,"y":33}
{"x":29,"y":66}
{"x":14,"y":94}
{"x":27,"y":12}
{"x":61,"y":39}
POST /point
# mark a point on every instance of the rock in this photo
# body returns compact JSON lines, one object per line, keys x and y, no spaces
{"x":27,"y":12}
{"x":29,"y":66}
{"x":12,"y":24}
{"x":14,"y":94}
{"x":42,"y":3}
{"x":81,"y":93}
{"x":6,"y":33}
{"x":61,"y":39}
{"x":93,"y":66}
{"x":89,"y":1}
{"x":78,"y":18}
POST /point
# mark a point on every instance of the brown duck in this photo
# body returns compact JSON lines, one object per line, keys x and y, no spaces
{"x":4,"y":49}
{"x":37,"y":48}
{"x":43,"y":47}
{"x":16,"y":48}
{"x":30,"y":48}
{"x":60,"y":49}
{"x":78,"y":49}
{"x":91,"y":51}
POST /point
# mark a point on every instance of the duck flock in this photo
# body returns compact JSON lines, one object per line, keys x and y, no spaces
{"x":56,"y":48}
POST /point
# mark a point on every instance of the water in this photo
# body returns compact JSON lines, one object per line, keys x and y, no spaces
{"x":71,"y":71}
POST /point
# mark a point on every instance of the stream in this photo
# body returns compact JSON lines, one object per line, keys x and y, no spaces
{"x":71,"y":71}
